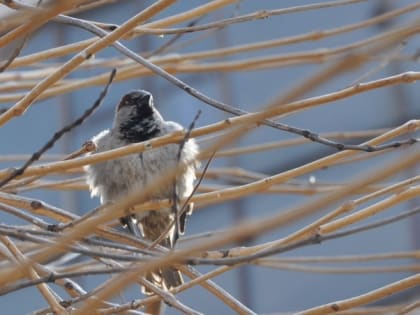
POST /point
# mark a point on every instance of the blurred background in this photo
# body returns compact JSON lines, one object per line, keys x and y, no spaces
{"x":264,"y":290}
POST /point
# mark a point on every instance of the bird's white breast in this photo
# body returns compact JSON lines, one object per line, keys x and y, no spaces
{"x":114,"y":179}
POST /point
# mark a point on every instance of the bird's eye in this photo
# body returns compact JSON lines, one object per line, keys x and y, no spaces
{"x":125,"y":101}
{"x":147,"y":99}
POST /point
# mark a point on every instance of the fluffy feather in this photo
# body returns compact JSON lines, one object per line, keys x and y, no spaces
{"x":137,"y":120}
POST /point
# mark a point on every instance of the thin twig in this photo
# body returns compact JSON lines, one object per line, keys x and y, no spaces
{"x":170,"y":42}
{"x":60,"y":133}
{"x":175,"y":196}
{"x":110,"y":287}
{"x":14,"y":54}
{"x":316,"y":238}
{"x":187,"y":201}
{"x":49,"y":295}
{"x":231,"y":109}
{"x":408,"y":308}
{"x":88,"y":146}
{"x":366,"y":298}
{"x":169,"y":298}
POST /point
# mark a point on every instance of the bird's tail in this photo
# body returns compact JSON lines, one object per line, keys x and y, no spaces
{"x":171,"y":277}
{"x":165,"y":278}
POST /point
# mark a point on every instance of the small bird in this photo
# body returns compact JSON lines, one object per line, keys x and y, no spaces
{"x":136,"y":120}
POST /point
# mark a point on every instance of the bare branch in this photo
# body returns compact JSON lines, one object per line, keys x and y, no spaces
{"x":60,"y":133}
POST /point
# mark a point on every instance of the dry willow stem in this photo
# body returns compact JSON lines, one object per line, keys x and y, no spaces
{"x":407,"y":194}
{"x":97,"y":45}
{"x":20,"y":107}
{"x":254,"y":16}
{"x":128,"y":201}
{"x":231,"y":152}
{"x":408,"y":308}
{"x":350,"y":258}
{"x":269,"y":44}
{"x":196,"y":279}
{"x":134,"y":71}
{"x":293,"y":142}
{"x":79,"y":183}
{"x":116,"y":283}
{"x":84,"y":228}
{"x":38,"y":19}
{"x":314,"y":226}
{"x":20,"y":260}
{"x":337,"y":270}
{"x":156,"y":27}
{"x":235,"y":192}
{"x":283,"y":177}
{"x":366,"y":298}
{"x":61,"y":215}
{"x":246,"y":189}
{"x":229,"y":123}
{"x":126,"y":72}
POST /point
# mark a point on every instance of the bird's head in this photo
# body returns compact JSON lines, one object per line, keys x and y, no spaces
{"x":135,"y":113}
{"x":138,"y":103}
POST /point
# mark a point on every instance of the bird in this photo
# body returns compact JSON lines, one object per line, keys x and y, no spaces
{"x":136,"y":120}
